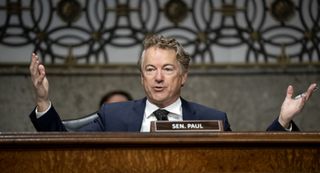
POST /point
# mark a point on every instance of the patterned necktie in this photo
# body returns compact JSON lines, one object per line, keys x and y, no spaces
{"x":161,"y":114}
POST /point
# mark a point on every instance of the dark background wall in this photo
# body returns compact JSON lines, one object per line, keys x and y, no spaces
{"x":252,"y":100}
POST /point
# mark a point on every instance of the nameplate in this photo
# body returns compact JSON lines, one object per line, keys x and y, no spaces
{"x":187,"y":126}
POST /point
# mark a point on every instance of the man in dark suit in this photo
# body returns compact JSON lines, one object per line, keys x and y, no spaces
{"x":164,"y":69}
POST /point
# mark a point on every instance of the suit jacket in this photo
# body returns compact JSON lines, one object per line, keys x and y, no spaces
{"x":128,"y":117}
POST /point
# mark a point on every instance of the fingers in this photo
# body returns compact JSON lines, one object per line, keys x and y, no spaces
{"x":289,"y":92}
{"x":306,"y":95}
{"x":42,"y":73}
{"x":310,"y":90}
{"x":34,"y":65}
{"x":37,"y":70}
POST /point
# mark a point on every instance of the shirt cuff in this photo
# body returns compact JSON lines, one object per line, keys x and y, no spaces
{"x":289,"y":129}
{"x":39,"y":114}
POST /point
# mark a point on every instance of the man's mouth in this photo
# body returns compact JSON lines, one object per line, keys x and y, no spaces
{"x":158,"y":88}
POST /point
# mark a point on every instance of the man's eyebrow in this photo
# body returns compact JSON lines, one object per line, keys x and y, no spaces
{"x":149,"y":65}
{"x":166,"y":65}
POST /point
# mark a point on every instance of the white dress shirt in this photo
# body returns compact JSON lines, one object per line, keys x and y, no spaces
{"x":39,"y":114}
{"x":175,"y":114}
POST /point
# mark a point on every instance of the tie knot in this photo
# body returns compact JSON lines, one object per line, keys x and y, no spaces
{"x":161,"y":114}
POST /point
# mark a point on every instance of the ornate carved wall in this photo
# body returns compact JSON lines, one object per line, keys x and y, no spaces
{"x":213,"y":31}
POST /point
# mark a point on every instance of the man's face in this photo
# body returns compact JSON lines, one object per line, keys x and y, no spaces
{"x":161,"y":76}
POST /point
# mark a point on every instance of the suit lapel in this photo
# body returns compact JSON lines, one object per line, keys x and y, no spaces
{"x":137,"y":115}
{"x":188,"y":112}
{"x":136,"y":119}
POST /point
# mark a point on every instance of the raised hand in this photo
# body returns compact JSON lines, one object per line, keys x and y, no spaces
{"x":291,"y":106}
{"x":40,"y":83}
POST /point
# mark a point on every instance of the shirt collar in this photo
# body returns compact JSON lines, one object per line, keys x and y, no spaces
{"x":175,"y":108}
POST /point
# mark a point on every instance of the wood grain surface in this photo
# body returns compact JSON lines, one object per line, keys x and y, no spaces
{"x":165,"y":152}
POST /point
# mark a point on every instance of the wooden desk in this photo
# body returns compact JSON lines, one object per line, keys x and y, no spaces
{"x":153,"y":153}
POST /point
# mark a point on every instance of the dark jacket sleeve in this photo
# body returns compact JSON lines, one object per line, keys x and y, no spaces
{"x":50,"y":121}
{"x":276,"y":126}
{"x":226,"y":124}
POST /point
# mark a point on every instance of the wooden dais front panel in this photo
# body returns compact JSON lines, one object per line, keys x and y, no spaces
{"x":165,"y":152}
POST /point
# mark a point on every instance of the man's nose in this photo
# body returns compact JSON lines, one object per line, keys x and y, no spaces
{"x":159,"y":76}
